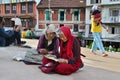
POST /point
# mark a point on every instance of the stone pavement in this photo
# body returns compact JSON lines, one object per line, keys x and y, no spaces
{"x":96,"y":67}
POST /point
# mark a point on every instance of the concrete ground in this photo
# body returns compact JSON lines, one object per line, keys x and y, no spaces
{"x":96,"y":67}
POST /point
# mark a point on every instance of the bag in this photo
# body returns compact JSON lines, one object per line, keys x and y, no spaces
{"x":49,"y":67}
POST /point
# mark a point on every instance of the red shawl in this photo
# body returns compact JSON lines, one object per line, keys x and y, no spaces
{"x":69,"y":46}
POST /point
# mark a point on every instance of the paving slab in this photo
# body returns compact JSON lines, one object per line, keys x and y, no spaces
{"x":96,"y":67}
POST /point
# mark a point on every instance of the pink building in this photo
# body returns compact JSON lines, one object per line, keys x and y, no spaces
{"x":62,"y":12}
{"x":25,"y":10}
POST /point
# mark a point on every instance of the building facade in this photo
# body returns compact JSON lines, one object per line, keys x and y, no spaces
{"x":62,"y":12}
{"x":110,"y":10}
{"x":24,"y":9}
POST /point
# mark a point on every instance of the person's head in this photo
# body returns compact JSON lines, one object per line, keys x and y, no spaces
{"x":12,"y":23}
{"x":50,"y":31}
{"x":64,"y":33}
{"x":66,"y":36}
{"x":96,"y":7}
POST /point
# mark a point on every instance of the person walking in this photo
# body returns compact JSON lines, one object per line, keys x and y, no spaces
{"x":96,"y":30}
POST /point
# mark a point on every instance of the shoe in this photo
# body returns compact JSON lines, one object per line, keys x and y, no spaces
{"x":40,"y":67}
{"x":104,"y":55}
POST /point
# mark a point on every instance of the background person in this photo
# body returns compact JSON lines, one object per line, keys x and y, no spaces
{"x":96,"y":14}
{"x":6,"y":37}
{"x":29,"y":34}
{"x":24,"y":33}
{"x":96,"y":30}
{"x":17,"y":27}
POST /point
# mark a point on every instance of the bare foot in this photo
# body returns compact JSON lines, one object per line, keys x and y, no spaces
{"x":92,"y":52}
{"x":104,"y":55}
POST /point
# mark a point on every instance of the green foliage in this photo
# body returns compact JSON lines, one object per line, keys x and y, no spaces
{"x":118,"y":50}
{"x":106,"y":48}
{"x":90,"y":45}
{"x":79,"y":36}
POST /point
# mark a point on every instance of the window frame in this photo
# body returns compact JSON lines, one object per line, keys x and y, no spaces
{"x":30,"y":7}
{"x":14,"y":8}
{"x":23,"y":8}
{"x":7,"y":8}
{"x":49,"y":14}
{"x":73,"y":15}
{"x":64,"y":15}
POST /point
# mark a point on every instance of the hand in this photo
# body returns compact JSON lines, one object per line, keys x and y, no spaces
{"x":107,"y":30}
{"x":62,"y":60}
{"x":43,"y":51}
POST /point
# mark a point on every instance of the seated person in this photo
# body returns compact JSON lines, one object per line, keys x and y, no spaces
{"x":29,"y":34}
{"x":24,"y":33}
{"x":48,"y":43}
{"x":6,"y":37}
{"x":69,"y":60}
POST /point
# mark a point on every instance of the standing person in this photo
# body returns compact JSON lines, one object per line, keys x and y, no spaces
{"x":96,"y":14}
{"x":96,"y":30}
{"x":17,"y":26}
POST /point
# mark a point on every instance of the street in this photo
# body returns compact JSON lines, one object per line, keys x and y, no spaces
{"x":96,"y":67}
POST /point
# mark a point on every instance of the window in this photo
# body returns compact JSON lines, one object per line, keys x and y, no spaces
{"x":114,"y":15}
{"x":7,"y":8}
{"x":13,"y":1}
{"x":76,"y":15}
{"x":75,"y":29}
{"x":114,"y":12}
{"x":23,"y":22}
{"x":47,"y":13}
{"x":30,"y":7}
{"x":62,"y":15}
{"x":114,"y":0}
{"x":23,"y":8}
{"x":13,"y":8}
{"x":23,"y":0}
{"x":17,"y":0}
{"x":6,"y":1}
{"x":113,"y":30}
{"x":95,"y":1}
{"x":30,"y":23}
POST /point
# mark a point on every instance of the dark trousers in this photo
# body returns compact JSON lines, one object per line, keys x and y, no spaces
{"x":2,"y":42}
{"x":17,"y":36}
